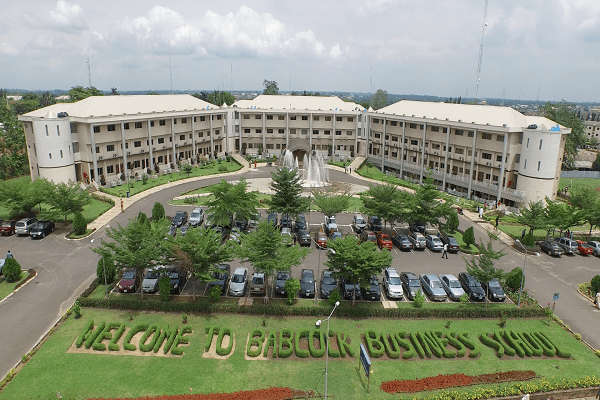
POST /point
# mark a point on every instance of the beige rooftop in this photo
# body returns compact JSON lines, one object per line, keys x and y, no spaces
{"x":313,"y":103}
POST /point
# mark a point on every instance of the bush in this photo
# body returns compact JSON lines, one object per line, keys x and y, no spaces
{"x":464,"y":298}
{"x":215,"y":293}
{"x":106,"y":264}
{"x":529,"y":240}
{"x":11,"y":270}
{"x":76,"y":309}
{"x":469,"y":237}
{"x":419,"y":299}
{"x":595,"y":284}
{"x":164,"y":287}
{"x":452,"y":222}
{"x":513,"y":279}
{"x":79,"y":224}
{"x":292,"y":286}
{"x":158,"y":212}
{"x":334,"y":297}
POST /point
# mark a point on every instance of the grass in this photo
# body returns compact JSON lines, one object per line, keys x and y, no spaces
{"x":341,"y":164}
{"x":376,"y":174}
{"x":51,"y":369}
{"x":203,"y":200}
{"x":7,"y":288}
{"x":74,"y":236}
{"x":577,"y":183}
{"x":203,"y":170}
{"x":90,"y":212}
{"x":459,"y":238}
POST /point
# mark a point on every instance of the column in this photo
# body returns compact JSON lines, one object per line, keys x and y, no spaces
{"x":501,"y":182}
{"x":264,"y":141}
{"x":241,"y":129}
{"x":212,"y":143}
{"x":125,"y":169}
{"x":193,"y":138}
{"x":446,"y":158}
{"x":383,"y":144}
{"x":472,"y":164}
{"x":402,"y":147}
{"x":287,"y":131}
{"x":423,"y":153}
{"x":310,"y":135}
{"x":150,"y":142}
{"x":356,"y":131}
{"x":174,"y":150}
{"x":94,"y":157}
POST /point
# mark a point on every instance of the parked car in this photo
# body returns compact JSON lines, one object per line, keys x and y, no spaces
{"x":179,"y":219}
{"x":183,"y":229}
{"x":280,"y":280}
{"x":241,"y":222}
{"x":375,"y":223}
{"x":330,"y":225}
{"x":300,"y":223}
{"x":452,"y":286}
{"x":402,"y":242}
{"x":391,"y":283}
{"x":177,"y":279}
{"x":150,"y":283}
{"x":551,"y":247}
{"x":368,"y":236}
{"x":371,"y":292}
{"x":434,"y":243}
{"x":7,"y":228}
{"x":196,"y":217}
{"x":254,"y":220}
{"x":358,"y":223}
{"x":384,"y":241}
{"x":417,"y":240}
{"x":596,"y":246}
{"x":307,"y":283}
{"x":584,"y":248}
{"x":348,"y":289}
{"x":286,"y":221}
{"x":494,"y":290}
{"x":471,"y":286}
{"x":328,"y":283}
{"x":451,"y":242}
{"x":433,"y":287}
{"x":417,"y":226}
{"x":568,"y":245}
{"x":321,"y":239}
{"x":335,"y":235}
{"x":410,"y":284}
{"x":238,"y":282}
{"x":2,"y":262}
{"x":258,"y":285}
{"x":272,"y":218}
{"x":221,"y":275}
{"x":286,"y":233}
{"x":41,"y":229}
{"x":129,"y":281}
{"x":23,"y":226}
{"x":303,"y":238}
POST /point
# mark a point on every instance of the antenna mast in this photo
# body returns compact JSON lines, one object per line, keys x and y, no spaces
{"x":170,"y":67}
{"x":481,"y":49}
{"x":89,"y":73}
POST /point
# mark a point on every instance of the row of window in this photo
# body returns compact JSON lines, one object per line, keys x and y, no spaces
{"x":281,"y":146}
{"x":302,"y":131}
{"x":138,"y":125}
{"x":160,"y":140}
{"x":294,"y":117}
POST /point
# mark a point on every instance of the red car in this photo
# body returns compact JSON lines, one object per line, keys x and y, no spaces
{"x":129,"y":281}
{"x":384,"y":241}
{"x":321,"y":239}
{"x":7,"y":227}
{"x":584,"y":248}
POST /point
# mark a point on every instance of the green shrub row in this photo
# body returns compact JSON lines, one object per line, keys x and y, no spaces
{"x":256,"y":339}
{"x":223,"y":351}
{"x":180,"y":339}
{"x":523,"y":344}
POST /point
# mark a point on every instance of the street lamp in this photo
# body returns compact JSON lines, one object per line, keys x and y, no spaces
{"x":103,"y":263}
{"x":522,"y":272}
{"x":337,"y":303}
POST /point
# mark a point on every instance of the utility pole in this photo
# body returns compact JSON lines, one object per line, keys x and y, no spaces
{"x":481,"y":50}
{"x":89,"y":73}
{"x":170,"y":67}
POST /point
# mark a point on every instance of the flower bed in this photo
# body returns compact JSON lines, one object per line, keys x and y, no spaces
{"x":274,"y":393}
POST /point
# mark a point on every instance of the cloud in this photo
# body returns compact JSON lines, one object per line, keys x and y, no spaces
{"x":66,"y":17}
{"x":7,"y":49}
{"x":374,"y":6}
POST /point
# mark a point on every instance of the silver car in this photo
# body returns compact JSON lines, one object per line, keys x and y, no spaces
{"x":392,"y":284}
{"x":596,"y":246}
{"x":433,"y":287}
{"x":359,"y":223}
{"x":418,"y":240}
{"x":196,"y":217}
{"x":150,"y":283}
{"x":434,"y":243}
{"x":22,"y":227}
{"x":452,"y":286}
{"x":238,"y":282}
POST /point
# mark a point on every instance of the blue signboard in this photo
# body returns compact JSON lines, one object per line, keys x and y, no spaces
{"x":365,"y":360}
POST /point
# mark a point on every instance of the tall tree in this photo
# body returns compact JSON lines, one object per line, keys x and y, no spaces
{"x":270,"y":87}
{"x":201,"y":96}
{"x":427,"y":207}
{"x":268,"y":251}
{"x":534,"y":216}
{"x":67,"y":198}
{"x":218,"y":98}
{"x":482,"y":267}
{"x":287,"y":189}
{"x":561,"y":215}
{"x":13,"y":151}
{"x":564,"y":114}
{"x":356,"y":261}
{"x":47,"y":99}
{"x":113,"y":91}
{"x":330,"y":203}
{"x":380,"y":99}
{"x":20,"y":196}
{"x":230,"y":199}
{"x":77,"y":93}
{"x":387,"y":202}
{"x":589,"y":202}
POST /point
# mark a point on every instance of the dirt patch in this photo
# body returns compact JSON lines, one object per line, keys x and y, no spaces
{"x":454,"y":380}
{"x":212,"y":352}
{"x":275,"y":393}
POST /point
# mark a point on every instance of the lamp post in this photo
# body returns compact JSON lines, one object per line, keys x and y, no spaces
{"x":522,"y":272}
{"x":337,"y":303}
{"x":103,"y":263}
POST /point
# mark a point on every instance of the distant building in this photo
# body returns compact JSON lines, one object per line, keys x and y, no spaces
{"x":64,"y":97}
{"x":592,"y":130}
{"x":15,"y":98}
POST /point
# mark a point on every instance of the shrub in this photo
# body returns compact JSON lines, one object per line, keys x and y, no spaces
{"x":464,"y":298}
{"x":320,"y":336}
{"x":158,"y":212}
{"x":164,"y":287}
{"x":374,"y":345}
{"x":595,"y":284}
{"x":285,"y":344}
{"x":292,"y":286}
{"x":513,"y":279}
{"x":257,"y":337}
{"x":469,"y":237}
{"x":76,"y":309}
{"x":529,"y":240}
{"x":215,"y":293}
{"x":79,"y":224}
{"x":11,"y":270}
{"x":146,"y":346}
{"x":419,"y":299}
{"x":144,"y":179}
{"x":135,"y":329}
{"x":334,"y":297}
{"x":452,"y":222}
{"x":223,"y":351}
{"x":106,"y":264}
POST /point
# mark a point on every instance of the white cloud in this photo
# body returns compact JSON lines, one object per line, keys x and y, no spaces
{"x":374,"y":6}
{"x":68,"y":17}
{"x":7,"y":49}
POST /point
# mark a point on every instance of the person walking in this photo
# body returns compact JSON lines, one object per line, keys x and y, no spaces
{"x":497,"y":221}
{"x":523,"y":234}
{"x":445,"y":253}
{"x":598,"y":393}
{"x":350,"y":170}
{"x":480,"y":212}
{"x":9,"y":255}
{"x":122,"y":206}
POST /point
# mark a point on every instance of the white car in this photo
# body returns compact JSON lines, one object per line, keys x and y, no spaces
{"x":417,"y":240}
{"x":287,"y":234}
{"x":196,"y":217}
{"x":596,"y":246}
{"x":452,"y":286}
{"x":238,"y":282}
{"x":151,"y":277}
{"x":392,"y":284}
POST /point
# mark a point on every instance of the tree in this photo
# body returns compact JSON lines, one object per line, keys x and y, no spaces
{"x":67,"y":199}
{"x":596,"y":163}
{"x":47,"y":99}
{"x":13,"y":151}
{"x":426,"y":206}
{"x":158,"y":212}
{"x":588,"y":201}
{"x":564,"y":114}
{"x":11,"y":270}
{"x":356,"y":261}
{"x":270,"y":87}
{"x":113,"y":91}
{"x":20,"y":196}
{"x":469,"y":237}
{"x":331,"y":203}
{"x":292,"y":287}
{"x":452,"y":223}
{"x":201,"y":96}
{"x":268,"y":251}
{"x":187,"y":168}
{"x":561,"y":215}
{"x":482,"y":267}
{"x":218,"y":98}
{"x":230,"y":199}
{"x":287,"y":189}
{"x":380,"y":99}
{"x":387,"y":202}
{"x":77,"y":93}
{"x":105,"y":264}
{"x":533,"y":216}
{"x":79,"y":224}
{"x":513,"y":279}
{"x":135,"y":246}
{"x":595,"y":284}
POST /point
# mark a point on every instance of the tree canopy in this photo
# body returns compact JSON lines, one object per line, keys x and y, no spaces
{"x":533,"y":216}
{"x":229,"y":199}
{"x":77,"y":93}
{"x":331,"y":203}
{"x":427,"y":208}
{"x":482,"y":267}
{"x":66,"y":199}
{"x":218,"y":98}
{"x":589,"y":203}
{"x":380,"y":99}
{"x":22,"y":196}
{"x":13,"y":151}
{"x":287,"y":189}
{"x":387,"y":202}
{"x":564,"y":114}
{"x":270,"y":87}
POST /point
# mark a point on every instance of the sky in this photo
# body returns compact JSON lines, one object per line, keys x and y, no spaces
{"x":546,"y":49}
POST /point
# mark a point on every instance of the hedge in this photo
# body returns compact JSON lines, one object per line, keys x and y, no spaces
{"x":223,"y":351}
{"x":257,"y":336}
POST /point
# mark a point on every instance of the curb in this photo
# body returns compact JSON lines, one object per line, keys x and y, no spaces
{"x":27,"y":280}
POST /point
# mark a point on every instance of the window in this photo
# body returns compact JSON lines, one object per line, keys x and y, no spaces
{"x":459,"y":151}
{"x":161,"y":140}
{"x":270,"y":146}
{"x":137,"y":143}
{"x":499,"y":158}
{"x":377,"y":135}
{"x":281,"y":117}
{"x":151,"y":123}
{"x":111,"y":128}
{"x":436,"y":146}
{"x":126,"y":125}
{"x":258,"y":116}
{"x":181,"y":137}
{"x":315,"y":131}
{"x":350,"y":119}
{"x":201,"y":134}
{"x":338,"y":133}
{"x":539,"y":164}
{"x":517,"y":158}
{"x":219,"y":116}
{"x":47,"y":130}
{"x":110,"y":169}
{"x":174,"y":121}
{"x":525,"y":166}
{"x":258,"y":130}
{"x":203,"y":118}
{"x":527,"y":142}
{"x":190,"y":135}
{"x":184,"y":120}
{"x":162,"y":122}
{"x":459,"y":132}
{"x":487,"y":176}
{"x":435,"y":129}
{"x":61,"y":156}
{"x":315,"y":117}
{"x":96,"y":130}
{"x":269,"y":116}
{"x":445,"y":130}
{"x":292,"y":117}
{"x":394,"y":154}
{"x":110,"y":147}
{"x":305,"y":118}
{"x":394,"y":138}
{"x":486,"y":136}
{"x":414,"y":142}
{"x":281,"y":130}
{"x":495,"y":178}
{"x":394,"y":123}
{"x":58,"y":133}
{"x":412,"y":126}
{"x":247,"y":130}
{"x":327,"y":118}
{"x":327,"y":132}
{"x":540,"y":143}
{"x":217,"y":131}
{"x":338,"y":119}
{"x":471,"y":133}
{"x":99,"y":171}
{"x":138,"y":125}
{"x":269,"y":130}
{"x":499,"y":138}
{"x":292,"y":131}
{"x":73,"y":128}
{"x":305,"y":131}
{"x":97,"y":150}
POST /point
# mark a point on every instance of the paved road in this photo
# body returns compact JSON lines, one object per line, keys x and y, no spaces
{"x":65,"y":268}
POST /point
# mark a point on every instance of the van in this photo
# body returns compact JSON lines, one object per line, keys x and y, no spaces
{"x":23,"y":226}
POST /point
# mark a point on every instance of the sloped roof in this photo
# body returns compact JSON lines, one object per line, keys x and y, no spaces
{"x":314,"y":103}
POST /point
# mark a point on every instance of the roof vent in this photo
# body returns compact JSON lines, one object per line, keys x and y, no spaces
{"x":460,"y":120}
{"x":447,"y":119}
{"x":110,"y":115}
{"x":487,"y":123}
{"x":62,"y":114}
{"x":504,"y":125}
{"x":532,"y":126}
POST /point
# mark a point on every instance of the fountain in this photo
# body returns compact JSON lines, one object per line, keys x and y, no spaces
{"x":314,"y":171}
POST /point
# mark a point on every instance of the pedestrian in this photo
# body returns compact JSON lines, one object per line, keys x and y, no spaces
{"x":445,"y":253}
{"x":485,"y":206}
{"x":523,"y":234}
{"x":345,"y":170}
{"x":350,"y":170}
{"x":122,"y":206}
{"x":480,"y":212}
{"x":9,"y":255}
{"x":497,"y":220}
{"x":567,"y":233}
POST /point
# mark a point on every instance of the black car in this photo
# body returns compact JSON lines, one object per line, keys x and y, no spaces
{"x":551,"y":248}
{"x":272,"y":218}
{"x":375,"y":223}
{"x":241,"y":223}
{"x":307,"y":283}
{"x":286,"y":221}
{"x":221,"y":275}
{"x":417,"y":226}
{"x":328,"y":283}
{"x":348,"y":288}
{"x":372,"y":292}
{"x":41,"y":229}
{"x":494,"y":290}
{"x":452,"y":243}
{"x":180,"y":218}
{"x":282,"y":277}
{"x":176,"y":279}
{"x":402,"y":242}
{"x":303,"y":238}
{"x":471,"y":286}
{"x":410,"y":284}
{"x":183,"y":230}
{"x":300,"y":222}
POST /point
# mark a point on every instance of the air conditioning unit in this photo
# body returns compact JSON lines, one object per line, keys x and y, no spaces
{"x":100,"y":157}
{"x":164,"y":146}
{"x":153,"y":148}
{"x":114,"y":155}
{"x":142,"y":151}
{"x":435,"y":152}
{"x":128,"y":153}
{"x":488,"y":163}
{"x":500,"y":165}
{"x":461,"y":158}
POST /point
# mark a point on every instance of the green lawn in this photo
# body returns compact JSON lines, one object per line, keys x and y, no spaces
{"x":138,"y":186}
{"x":376,"y":174}
{"x":90,"y":212}
{"x":579,"y":183}
{"x":82,"y":376}
{"x":7,"y":288}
